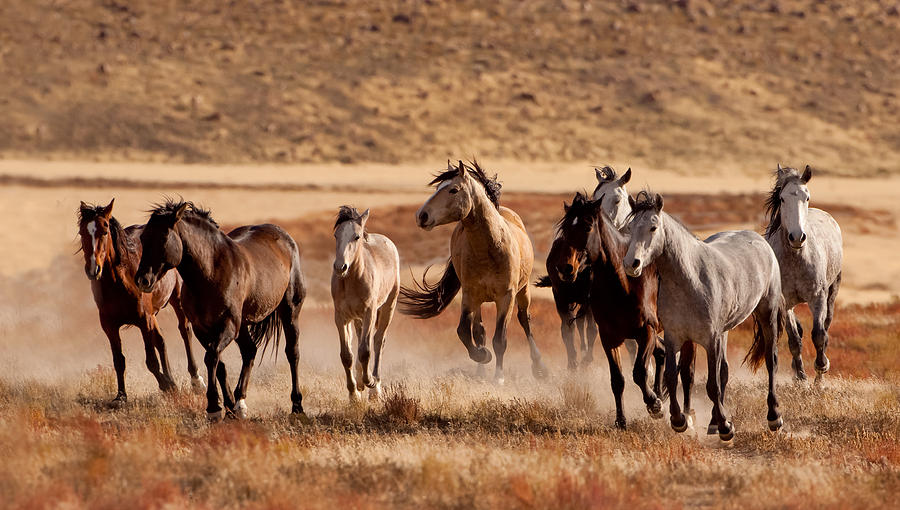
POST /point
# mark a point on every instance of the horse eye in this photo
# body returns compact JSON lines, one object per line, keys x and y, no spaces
{"x":356,"y":238}
{"x":782,"y":200}
{"x":653,"y":228}
{"x":454,"y":191}
{"x":807,"y":199}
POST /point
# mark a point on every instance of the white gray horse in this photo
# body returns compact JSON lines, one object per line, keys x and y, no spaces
{"x":613,"y":197}
{"x":807,"y":242}
{"x":707,"y":288}
{"x":365,"y":284}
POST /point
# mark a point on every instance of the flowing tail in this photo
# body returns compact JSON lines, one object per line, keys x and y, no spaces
{"x":543,"y":281}
{"x":757,"y":353}
{"x":424,"y":301}
{"x":265,"y":330}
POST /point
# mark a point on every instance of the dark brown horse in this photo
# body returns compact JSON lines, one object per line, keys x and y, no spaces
{"x":111,"y":255}
{"x":623,"y":307}
{"x":241,"y":286}
{"x":569,"y":276}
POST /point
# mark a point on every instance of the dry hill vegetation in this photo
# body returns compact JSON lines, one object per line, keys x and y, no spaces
{"x":692,"y":85}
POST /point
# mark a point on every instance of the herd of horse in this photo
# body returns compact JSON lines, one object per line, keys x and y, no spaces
{"x":620,"y":267}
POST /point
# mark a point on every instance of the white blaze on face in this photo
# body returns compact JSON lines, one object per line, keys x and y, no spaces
{"x":443,"y":185}
{"x":794,"y":211}
{"x":92,"y":230}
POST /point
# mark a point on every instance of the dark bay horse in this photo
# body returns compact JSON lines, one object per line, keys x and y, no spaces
{"x":624,"y":307}
{"x":111,"y":255}
{"x":241,"y":286}
{"x":569,"y":276}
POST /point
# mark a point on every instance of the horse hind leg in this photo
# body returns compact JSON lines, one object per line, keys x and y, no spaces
{"x":567,"y":331}
{"x":184,"y":328}
{"x":686,"y":367}
{"x":677,"y":419}
{"x":479,"y":336}
{"x":152,"y":342}
{"x":639,"y":373}
{"x":819,"y":308}
{"x":795,"y":338}
{"x":523,"y":300}
{"x":832,"y":296}
{"x":290,"y":324}
{"x":591,"y":332}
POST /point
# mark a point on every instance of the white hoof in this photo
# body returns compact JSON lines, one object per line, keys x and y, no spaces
{"x":355,"y":396}
{"x":727,"y":444}
{"x":690,"y":421}
{"x":375,"y":391}
{"x":499,"y":381}
{"x":216,"y":416}
{"x":240,"y":409}
{"x":198,"y":384}
{"x":774,"y":425}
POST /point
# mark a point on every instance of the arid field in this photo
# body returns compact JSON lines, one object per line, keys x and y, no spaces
{"x":281,"y":111}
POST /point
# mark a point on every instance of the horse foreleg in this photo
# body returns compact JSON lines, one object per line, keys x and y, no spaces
{"x":248,"y":357}
{"x":215,"y":371}
{"x":344,"y":332}
{"x":523,"y":300}
{"x":591,"y":332}
{"x":115,"y":345}
{"x":152,"y":341}
{"x":795,"y":340}
{"x":651,"y":400}
{"x":714,"y":389}
{"x":616,"y":379}
{"x":686,"y":367}
{"x":290,"y":324}
{"x":659,"y":363}
{"x":477,"y":353}
{"x":819,"y":308}
{"x":184,"y":328}
{"x":770,"y":331}
{"x":385,"y":314}
{"x":677,"y":419}
{"x":364,"y":350}
{"x":566,"y":329}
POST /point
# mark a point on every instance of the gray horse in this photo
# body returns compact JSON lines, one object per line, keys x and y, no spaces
{"x":364,"y":286}
{"x":613,"y":197}
{"x":707,"y":288}
{"x":807,"y":242}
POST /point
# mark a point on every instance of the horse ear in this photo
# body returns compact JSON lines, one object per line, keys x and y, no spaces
{"x":599,"y":175}
{"x":107,"y":211}
{"x":364,"y":217}
{"x":807,"y":175}
{"x":659,"y":202}
{"x":625,"y":177}
{"x":780,"y":168}
{"x":83,"y":206}
{"x":566,"y":207}
{"x":180,"y":212}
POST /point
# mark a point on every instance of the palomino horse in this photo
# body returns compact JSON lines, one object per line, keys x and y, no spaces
{"x":706,"y":288}
{"x":364,"y":286}
{"x":111,"y":255}
{"x":490,"y":260}
{"x":239,"y":286}
{"x":569,"y":276}
{"x":623,"y":307}
{"x":807,"y":242}
{"x":613,"y":197}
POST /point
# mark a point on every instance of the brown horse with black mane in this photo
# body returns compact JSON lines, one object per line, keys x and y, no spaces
{"x":111,"y":255}
{"x":242,"y":286}
{"x":625,"y":307}
{"x":569,"y":276}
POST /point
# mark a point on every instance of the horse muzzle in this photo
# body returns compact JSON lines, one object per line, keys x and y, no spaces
{"x":93,"y":271}
{"x":424,"y":221}
{"x":634,"y":270}
{"x":341,"y":271}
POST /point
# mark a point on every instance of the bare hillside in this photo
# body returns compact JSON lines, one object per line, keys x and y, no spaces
{"x":689,"y":85}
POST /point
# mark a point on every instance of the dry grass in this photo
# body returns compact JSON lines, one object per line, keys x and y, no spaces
{"x":695,"y":86}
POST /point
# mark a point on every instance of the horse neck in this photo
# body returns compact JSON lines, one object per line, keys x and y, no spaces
{"x":681,"y":253}
{"x":122,"y":262}
{"x":483,"y":224}
{"x":614,"y":245}
{"x":200,"y":243}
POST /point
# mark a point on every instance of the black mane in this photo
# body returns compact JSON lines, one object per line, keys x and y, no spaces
{"x":491,"y":184}
{"x":645,"y":200}
{"x":608,"y":173}
{"x":170,"y":206}
{"x":783,"y":177}
{"x":347,"y":213}
{"x":581,"y":207}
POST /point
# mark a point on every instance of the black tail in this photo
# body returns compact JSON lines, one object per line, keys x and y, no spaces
{"x":424,"y":301}
{"x":543,"y":281}
{"x":757,"y":353}
{"x":265,"y":330}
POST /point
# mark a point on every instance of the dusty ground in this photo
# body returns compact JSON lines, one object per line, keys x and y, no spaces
{"x":444,"y":438}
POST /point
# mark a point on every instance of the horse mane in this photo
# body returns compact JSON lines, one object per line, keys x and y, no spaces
{"x":491,"y":184}
{"x":783,"y":177}
{"x":121,"y":242}
{"x":581,"y":208}
{"x":645,"y":200}
{"x":611,"y":247}
{"x":608,"y":173}
{"x":171,"y":205}
{"x":347,"y":213}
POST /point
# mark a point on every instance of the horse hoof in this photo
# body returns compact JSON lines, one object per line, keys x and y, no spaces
{"x":776,"y":424}
{"x":198,"y":384}
{"x":681,"y":425}
{"x":355,"y":396}
{"x":825,"y":368}
{"x":216,"y":416}
{"x":538,"y":370}
{"x":712,"y":429}
{"x":499,"y":381}
{"x":800,"y":376}
{"x":300,"y":418}
{"x":240,"y":410}
{"x":655,"y":409}
{"x":375,"y":392}
{"x":620,"y":423}
{"x":119,"y":401}
{"x":727,"y":440}
{"x":727,"y":436}
{"x":480,"y":355}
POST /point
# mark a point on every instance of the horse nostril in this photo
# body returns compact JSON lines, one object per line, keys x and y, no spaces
{"x":568,"y":269}
{"x":636,"y":263}
{"x":791,"y":237}
{"x":803,"y":237}
{"x":423,"y":217}
{"x":343,"y":268}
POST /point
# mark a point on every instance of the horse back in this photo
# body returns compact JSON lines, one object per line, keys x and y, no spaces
{"x":266,"y":256}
